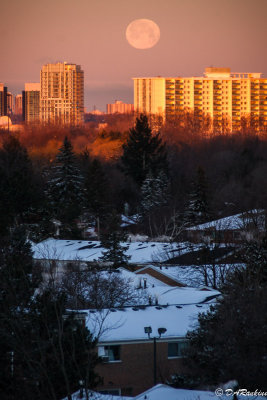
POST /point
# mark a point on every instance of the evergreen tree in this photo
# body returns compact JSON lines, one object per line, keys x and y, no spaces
{"x":231,"y":341}
{"x":65,"y":350}
{"x":96,"y":190}
{"x":65,"y":186}
{"x":154,"y":192}
{"x":43,"y":352}
{"x":111,"y":240}
{"x":20,"y":192}
{"x":197,"y":209}
{"x":143,"y":152}
{"x":17,"y":287}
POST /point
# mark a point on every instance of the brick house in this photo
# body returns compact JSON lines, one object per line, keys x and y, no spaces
{"x":127,"y":347}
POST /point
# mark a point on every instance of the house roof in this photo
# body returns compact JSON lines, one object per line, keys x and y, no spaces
{"x":83,"y":250}
{"x":193,"y":275}
{"x":122,"y":325}
{"x":234,"y":222}
{"x":161,"y":391}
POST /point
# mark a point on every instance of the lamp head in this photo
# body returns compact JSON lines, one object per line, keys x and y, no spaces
{"x":161,"y":331}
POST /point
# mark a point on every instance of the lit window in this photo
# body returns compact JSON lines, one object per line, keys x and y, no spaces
{"x":176,"y":349}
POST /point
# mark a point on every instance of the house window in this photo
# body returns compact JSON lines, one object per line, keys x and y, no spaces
{"x":109,"y":353}
{"x":176,"y":349}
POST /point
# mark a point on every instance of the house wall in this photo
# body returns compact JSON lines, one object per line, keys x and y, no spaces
{"x":134,"y":373}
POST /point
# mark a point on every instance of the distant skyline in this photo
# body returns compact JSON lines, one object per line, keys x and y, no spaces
{"x":194,"y":34}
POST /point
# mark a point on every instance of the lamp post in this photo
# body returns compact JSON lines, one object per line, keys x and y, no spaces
{"x":148,"y":330}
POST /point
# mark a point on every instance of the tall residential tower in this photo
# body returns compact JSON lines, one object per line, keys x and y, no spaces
{"x":31,"y":102}
{"x":3,"y":99}
{"x":62,"y":94}
{"x":224,"y":96}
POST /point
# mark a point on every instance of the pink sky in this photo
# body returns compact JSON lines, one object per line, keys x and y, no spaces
{"x":194,"y":34}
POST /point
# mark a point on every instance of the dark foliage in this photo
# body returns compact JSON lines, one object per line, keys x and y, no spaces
{"x":65,"y":189}
{"x":231,"y":341}
{"x":43,"y":351}
{"x":114,"y":255}
{"x":143,"y":152}
{"x":96,"y":190}
{"x":20,"y":191}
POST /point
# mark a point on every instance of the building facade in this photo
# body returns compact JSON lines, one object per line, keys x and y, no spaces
{"x":31,"y":103}
{"x":224,"y":96}
{"x":18,"y":104}
{"x":62,"y":94}
{"x":3,"y":100}
{"x":120,"y":108}
{"x":10,"y":103}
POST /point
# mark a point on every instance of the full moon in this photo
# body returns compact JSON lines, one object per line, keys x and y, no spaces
{"x":142,"y":33}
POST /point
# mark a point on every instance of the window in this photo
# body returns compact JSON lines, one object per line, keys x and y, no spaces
{"x":176,"y":349}
{"x":109,"y":353}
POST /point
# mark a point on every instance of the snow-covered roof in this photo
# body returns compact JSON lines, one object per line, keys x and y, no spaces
{"x":127,"y":324}
{"x":234,"y":222}
{"x":193,"y":275}
{"x":83,"y":250}
{"x":96,"y":396}
{"x":164,"y":293}
{"x":161,"y":391}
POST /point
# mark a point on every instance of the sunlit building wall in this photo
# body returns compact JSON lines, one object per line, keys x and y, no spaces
{"x":18,"y":104}
{"x":120,"y":108}
{"x":31,"y":103}
{"x":62,"y":94}
{"x":224,"y":96}
{"x":3,"y":99}
{"x":10,"y":100}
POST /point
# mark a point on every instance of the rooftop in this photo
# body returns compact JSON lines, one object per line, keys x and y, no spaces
{"x":127,"y":324}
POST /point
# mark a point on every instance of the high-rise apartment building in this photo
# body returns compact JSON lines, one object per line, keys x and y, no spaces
{"x":31,"y":102}
{"x":10,"y":101}
{"x":62,"y":94}
{"x":224,"y":96}
{"x":3,"y":99}
{"x":120,"y":108}
{"x":18,"y":104}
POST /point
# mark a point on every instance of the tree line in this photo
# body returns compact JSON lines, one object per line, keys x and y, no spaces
{"x":167,"y":185}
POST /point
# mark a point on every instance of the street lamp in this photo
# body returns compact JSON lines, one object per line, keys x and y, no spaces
{"x":81,"y":384}
{"x":148,"y":331}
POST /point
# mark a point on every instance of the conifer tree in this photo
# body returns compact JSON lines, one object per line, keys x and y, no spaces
{"x":96,"y":190}
{"x":17,"y":287}
{"x":143,"y":152}
{"x":197,"y":209}
{"x":65,"y":186}
{"x":154,"y":192}
{"x":111,"y":240}
{"x":20,"y":192}
{"x":43,"y":351}
{"x":231,"y":340}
